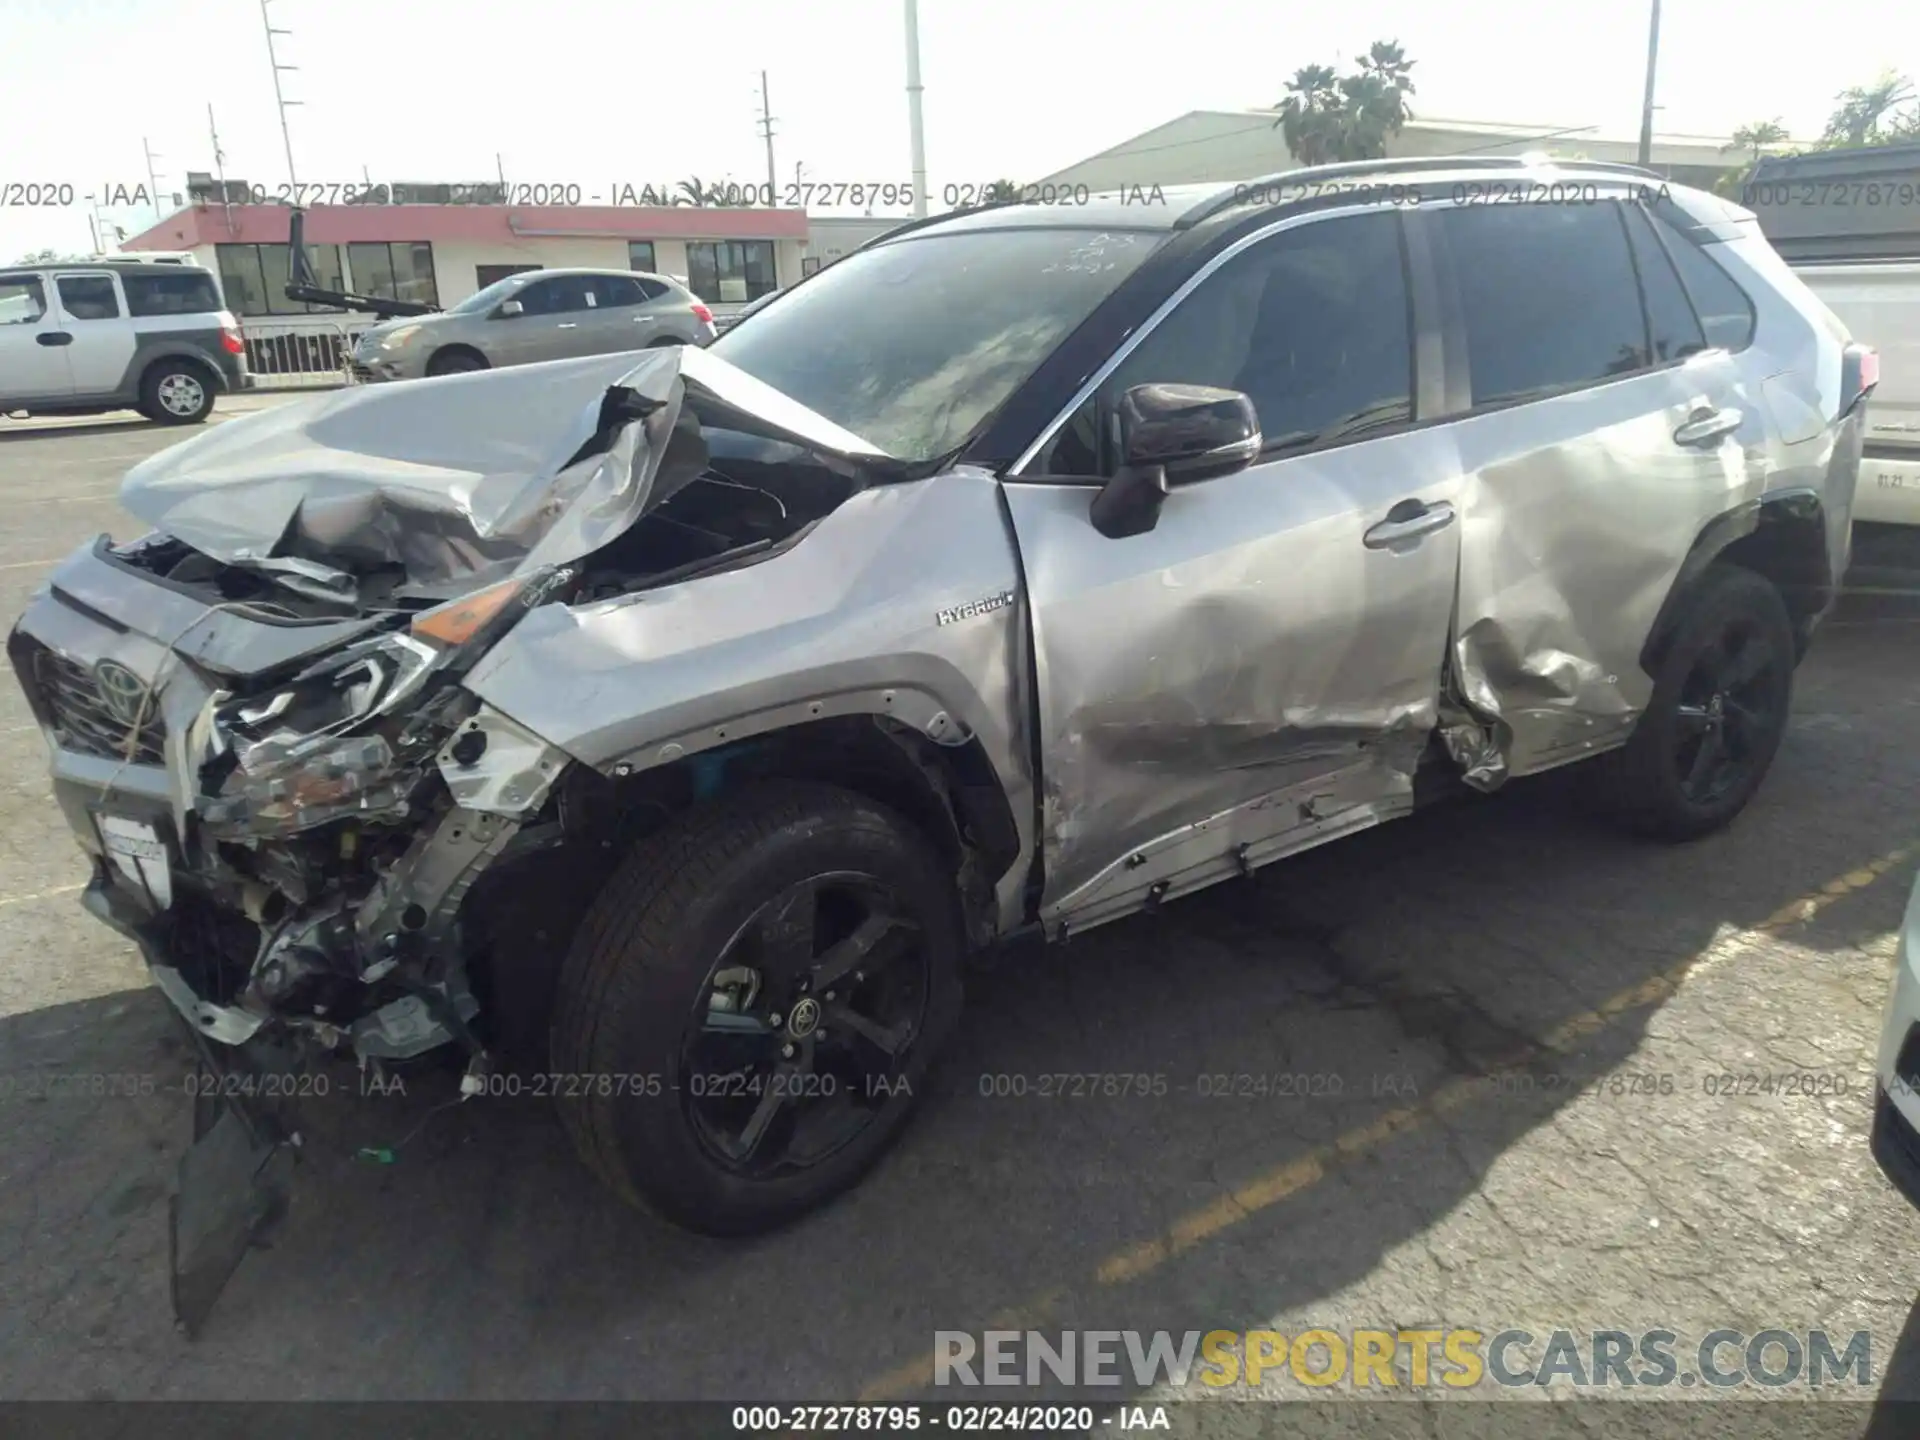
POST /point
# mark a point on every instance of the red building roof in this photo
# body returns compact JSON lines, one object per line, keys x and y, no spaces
{"x":345,"y":224}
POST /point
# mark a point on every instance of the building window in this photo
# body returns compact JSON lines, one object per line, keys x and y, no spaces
{"x":485,"y":275}
{"x":640,"y":256}
{"x":730,"y":272}
{"x":394,"y":270}
{"x":808,"y":265}
{"x":254,"y":278}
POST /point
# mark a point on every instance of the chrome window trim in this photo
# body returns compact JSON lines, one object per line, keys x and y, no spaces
{"x":1609,"y":188}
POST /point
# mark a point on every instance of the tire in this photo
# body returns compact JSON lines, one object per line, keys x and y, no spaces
{"x":455,"y":362}
{"x":176,"y":392}
{"x":1717,"y":715}
{"x":752,"y":900}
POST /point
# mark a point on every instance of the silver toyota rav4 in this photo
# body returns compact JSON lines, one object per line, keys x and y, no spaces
{"x":680,"y":722}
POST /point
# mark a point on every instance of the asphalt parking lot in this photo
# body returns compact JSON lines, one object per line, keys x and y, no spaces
{"x":1600,"y":1179}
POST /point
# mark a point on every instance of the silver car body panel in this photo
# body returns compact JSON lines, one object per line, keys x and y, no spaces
{"x":904,"y":602}
{"x":458,"y":479}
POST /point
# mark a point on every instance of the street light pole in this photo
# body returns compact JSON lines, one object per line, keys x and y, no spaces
{"x":1646,"y":108}
{"x":916,"y":135}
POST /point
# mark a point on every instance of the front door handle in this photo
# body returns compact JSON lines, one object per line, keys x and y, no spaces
{"x":54,"y":337}
{"x":1705,"y":423}
{"x":1407,"y":522}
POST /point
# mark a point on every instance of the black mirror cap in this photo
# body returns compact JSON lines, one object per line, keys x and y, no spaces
{"x":1193,"y":432}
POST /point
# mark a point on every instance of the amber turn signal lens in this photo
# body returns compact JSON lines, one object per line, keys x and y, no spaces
{"x":457,"y":621}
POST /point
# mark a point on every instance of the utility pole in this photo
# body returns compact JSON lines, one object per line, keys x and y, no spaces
{"x":279,"y":98}
{"x":766,"y":130}
{"x":220,"y":171}
{"x":1646,"y":108}
{"x":915,"y":135}
{"x":153,"y":185}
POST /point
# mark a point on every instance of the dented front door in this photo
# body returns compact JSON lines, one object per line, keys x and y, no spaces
{"x":1261,"y":669}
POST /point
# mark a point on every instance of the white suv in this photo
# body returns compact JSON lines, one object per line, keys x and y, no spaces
{"x":98,"y":335}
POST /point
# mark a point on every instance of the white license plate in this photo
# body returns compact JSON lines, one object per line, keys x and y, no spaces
{"x":138,"y":853}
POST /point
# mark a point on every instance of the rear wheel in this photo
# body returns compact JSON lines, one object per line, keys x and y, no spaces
{"x":176,"y":392}
{"x":752,"y":1003}
{"x":1717,"y":716}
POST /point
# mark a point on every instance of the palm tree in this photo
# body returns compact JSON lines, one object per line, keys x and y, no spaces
{"x":1310,"y":114}
{"x":1755,"y":137}
{"x":1861,"y":111}
{"x":1329,"y":117}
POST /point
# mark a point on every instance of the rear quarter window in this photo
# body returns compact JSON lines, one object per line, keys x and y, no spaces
{"x":1726,"y":314}
{"x":170,"y":292}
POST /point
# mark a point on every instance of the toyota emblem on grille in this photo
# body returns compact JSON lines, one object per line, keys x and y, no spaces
{"x":121,"y":691}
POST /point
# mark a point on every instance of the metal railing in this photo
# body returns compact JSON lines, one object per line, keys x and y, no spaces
{"x":293,"y":355}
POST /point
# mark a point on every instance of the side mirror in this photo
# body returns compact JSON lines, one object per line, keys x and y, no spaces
{"x":508,"y":309}
{"x":1173,"y":435}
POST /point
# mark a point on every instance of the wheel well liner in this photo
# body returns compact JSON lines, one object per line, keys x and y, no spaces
{"x":1782,"y":537}
{"x":458,"y":347}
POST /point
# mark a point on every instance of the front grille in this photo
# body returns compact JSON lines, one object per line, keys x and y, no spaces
{"x":85,"y":722}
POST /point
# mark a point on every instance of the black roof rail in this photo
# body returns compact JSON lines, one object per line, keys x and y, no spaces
{"x":920,"y":222}
{"x":1245,"y":191}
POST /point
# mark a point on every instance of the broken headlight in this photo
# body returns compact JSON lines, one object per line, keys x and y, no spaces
{"x":288,"y":761}
{"x":341,"y":738}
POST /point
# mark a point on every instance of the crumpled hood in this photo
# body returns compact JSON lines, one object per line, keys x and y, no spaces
{"x":467,"y":478}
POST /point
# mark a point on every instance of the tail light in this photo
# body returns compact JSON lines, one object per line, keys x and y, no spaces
{"x":1859,"y":373}
{"x":232,"y":341}
{"x":702,"y":313}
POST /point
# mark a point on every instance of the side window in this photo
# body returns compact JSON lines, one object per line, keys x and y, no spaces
{"x":565,"y":293}
{"x":618,"y":290}
{"x":1726,"y":314}
{"x":652,"y":289}
{"x":1674,"y":328}
{"x":1548,"y":295}
{"x":88,"y":297}
{"x":169,"y":292}
{"x":1313,"y":326}
{"x":23,"y":300}
{"x":542,"y":297}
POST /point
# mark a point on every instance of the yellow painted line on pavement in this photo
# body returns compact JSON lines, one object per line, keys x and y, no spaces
{"x":1299,"y":1174}
{"x":31,"y":564}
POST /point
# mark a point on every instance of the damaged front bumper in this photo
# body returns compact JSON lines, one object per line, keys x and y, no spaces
{"x":300,"y":911}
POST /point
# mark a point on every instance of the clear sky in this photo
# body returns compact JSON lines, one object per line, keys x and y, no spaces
{"x":602,"y":93}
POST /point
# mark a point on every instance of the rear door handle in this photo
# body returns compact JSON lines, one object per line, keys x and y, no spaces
{"x":1706,"y":423}
{"x":54,"y":337}
{"x":1407,"y":522}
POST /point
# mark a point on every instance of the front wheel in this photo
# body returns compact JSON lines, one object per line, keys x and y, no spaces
{"x":751,"y":1006}
{"x":1717,"y":715}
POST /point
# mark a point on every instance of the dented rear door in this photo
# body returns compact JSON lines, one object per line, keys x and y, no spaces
{"x":1599,"y":435}
{"x":1261,"y":669}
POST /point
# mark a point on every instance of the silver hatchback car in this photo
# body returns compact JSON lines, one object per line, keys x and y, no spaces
{"x":680,"y":724}
{"x":536,"y":315}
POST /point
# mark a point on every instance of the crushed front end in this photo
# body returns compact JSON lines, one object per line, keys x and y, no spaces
{"x":285,"y":806}
{"x":259,"y":732}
